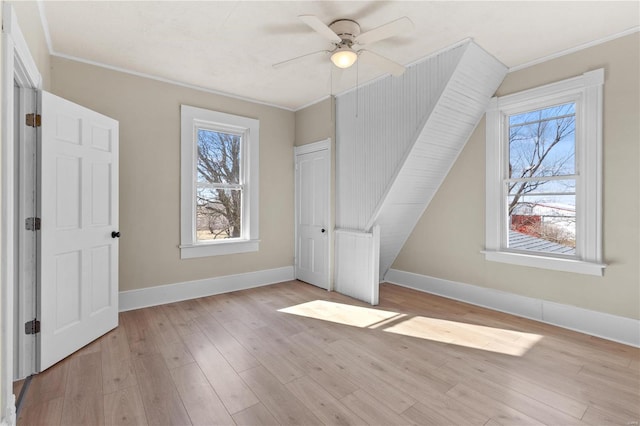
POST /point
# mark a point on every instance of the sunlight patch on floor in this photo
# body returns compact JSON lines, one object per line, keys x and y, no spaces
{"x":508,"y":342}
{"x":474,"y":336}
{"x":357,"y":316}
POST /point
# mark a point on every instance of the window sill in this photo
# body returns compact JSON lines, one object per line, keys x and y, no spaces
{"x":190,"y":251}
{"x":546,"y":262}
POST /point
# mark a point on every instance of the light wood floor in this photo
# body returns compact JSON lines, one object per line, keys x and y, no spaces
{"x":415,"y":359}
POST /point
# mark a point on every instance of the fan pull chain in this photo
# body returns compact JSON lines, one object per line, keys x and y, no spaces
{"x":357,"y":87}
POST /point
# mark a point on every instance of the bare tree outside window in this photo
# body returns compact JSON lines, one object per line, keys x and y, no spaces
{"x":219,"y":188}
{"x":541,"y":181}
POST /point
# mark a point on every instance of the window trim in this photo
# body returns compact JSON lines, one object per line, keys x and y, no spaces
{"x":586,"y":91}
{"x":192,"y":118}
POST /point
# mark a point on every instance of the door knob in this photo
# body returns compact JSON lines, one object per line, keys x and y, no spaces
{"x":115,"y":234}
{"x":323,"y":230}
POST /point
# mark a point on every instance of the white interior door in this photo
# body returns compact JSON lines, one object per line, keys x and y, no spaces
{"x":312,"y":217}
{"x":78,"y":279}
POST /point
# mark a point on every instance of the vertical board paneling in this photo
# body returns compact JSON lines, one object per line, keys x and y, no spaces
{"x":445,"y":132}
{"x":375,"y":127}
{"x":357,"y":270}
{"x":397,"y":139}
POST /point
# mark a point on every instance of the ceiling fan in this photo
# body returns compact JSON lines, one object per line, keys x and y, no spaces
{"x":346,"y":38}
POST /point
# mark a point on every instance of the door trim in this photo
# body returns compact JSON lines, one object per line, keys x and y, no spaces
{"x":18,"y":65}
{"x":25,"y":288}
{"x":321,"y":145}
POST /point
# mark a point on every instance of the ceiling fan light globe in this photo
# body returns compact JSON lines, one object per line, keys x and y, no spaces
{"x":344,"y":58}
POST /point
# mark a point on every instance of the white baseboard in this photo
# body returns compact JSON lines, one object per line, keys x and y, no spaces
{"x":599,"y":324}
{"x":159,"y":295}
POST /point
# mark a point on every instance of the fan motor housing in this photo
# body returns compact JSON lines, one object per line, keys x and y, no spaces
{"x":346,"y":29}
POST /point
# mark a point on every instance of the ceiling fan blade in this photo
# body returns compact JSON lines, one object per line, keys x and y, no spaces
{"x":320,"y":27}
{"x":386,"y":64}
{"x":393,"y":28}
{"x":288,"y":61}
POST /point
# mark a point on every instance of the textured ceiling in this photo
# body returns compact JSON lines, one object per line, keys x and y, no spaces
{"x":230,"y":46}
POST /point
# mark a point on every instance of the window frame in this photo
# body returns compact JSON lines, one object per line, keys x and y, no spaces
{"x":192,"y":119}
{"x":586,"y":91}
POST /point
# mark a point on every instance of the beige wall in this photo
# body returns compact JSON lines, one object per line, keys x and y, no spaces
{"x":149,"y":116}
{"x":316,"y":122}
{"x":447,"y":241}
{"x":31,"y":26}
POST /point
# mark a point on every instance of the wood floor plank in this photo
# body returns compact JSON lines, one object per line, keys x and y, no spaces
{"x":136,"y":325}
{"x":161,"y":401}
{"x":485,"y":405}
{"x":124,"y":407}
{"x":608,"y":377}
{"x":83,"y":409}
{"x":42,"y":413}
{"x":529,"y":388}
{"x":395,"y":397}
{"x":115,"y":343}
{"x":139,"y":333}
{"x":634,"y":363}
{"x":243,"y":312}
{"x":217,"y":307}
{"x":547,"y":383}
{"x":371,"y":410}
{"x":48,"y":385}
{"x":322,"y":403}
{"x":254,"y":416}
{"x":202,"y":404}
{"x":235,"y":354}
{"x":320,"y":370}
{"x":162,"y":330}
{"x":233,"y":392}
{"x":284,"y":406}
{"x":599,"y":417}
{"x":192,"y":309}
{"x":83,"y":402}
{"x":91,"y":348}
{"x":264,"y":351}
{"x":117,"y":367}
{"x":422,"y":414}
{"x":529,"y":406}
{"x":354,"y":372}
{"x":411,"y":383}
{"x":182,"y":323}
{"x":176,"y":355}
{"x":117,"y":374}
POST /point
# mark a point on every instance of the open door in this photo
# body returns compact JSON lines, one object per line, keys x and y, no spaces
{"x":78,"y":209}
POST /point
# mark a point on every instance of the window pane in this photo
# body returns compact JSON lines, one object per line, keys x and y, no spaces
{"x":218,"y":213}
{"x":218,"y":157}
{"x":542,"y":223}
{"x":542,"y":142}
{"x":563,"y":186}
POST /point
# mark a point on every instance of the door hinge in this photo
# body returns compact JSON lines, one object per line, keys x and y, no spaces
{"x":32,"y":327}
{"x":34,"y":120}
{"x":32,"y":224}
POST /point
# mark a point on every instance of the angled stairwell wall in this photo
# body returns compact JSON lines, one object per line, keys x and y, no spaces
{"x":396,"y":140}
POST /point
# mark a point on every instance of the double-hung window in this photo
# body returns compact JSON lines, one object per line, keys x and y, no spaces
{"x":544,"y":155}
{"x":219,"y":185}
